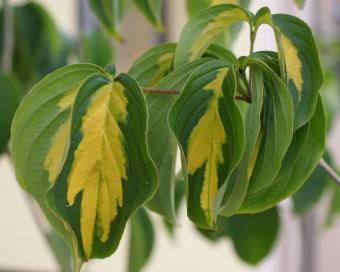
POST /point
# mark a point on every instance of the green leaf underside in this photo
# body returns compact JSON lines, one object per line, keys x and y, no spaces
{"x":208,"y":126}
{"x":299,"y":60}
{"x":108,"y":173}
{"x":110,"y":14}
{"x":10,"y":95}
{"x":203,"y":28}
{"x":303,"y":155}
{"x":236,"y":188}
{"x":152,"y":10}
{"x":254,"y":235}
{"x":141,"y":240}
{"x":35,"y":129}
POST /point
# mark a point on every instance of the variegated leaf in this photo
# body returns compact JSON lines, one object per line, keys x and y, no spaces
{"x":40,"y":136}
{"x":299,"y":61}
{"x":202,"y":29}
{"x":209,"y":128}
{"x":108,"y":173}
{"x":151,"y":70}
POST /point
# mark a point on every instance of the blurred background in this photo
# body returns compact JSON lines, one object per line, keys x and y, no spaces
{"x":309,"y":233}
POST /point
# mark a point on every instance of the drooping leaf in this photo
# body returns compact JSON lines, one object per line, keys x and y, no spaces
{"x":141,"y":240}
{"x":110,"y":14}
{"x":37,"y":43}
{"x":96,"y":49}
{"x":209,"y":128}
{"x":153,"y":70}
{"x":202,"y":29}
{"x":40,"y":137}
{"x":232,"y":196}
{"x":152,"y":10}
{"x":311,"y":191}
{"x":10,"y":96}
{"x":275,"y":134}
{"x":254,"y":235}
{"x":299,"y":61}
{"x":303,"y":155}
{"x":108,"y":173}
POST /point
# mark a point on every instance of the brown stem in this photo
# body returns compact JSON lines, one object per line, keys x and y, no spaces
{"x":171,"y":91}
{"x":159,"y":91}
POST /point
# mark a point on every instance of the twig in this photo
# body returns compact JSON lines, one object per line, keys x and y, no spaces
{"x":171,"y":91}
{"x":159,"y":91}
{"x":7,"y":50}
{"x":329,"y":171}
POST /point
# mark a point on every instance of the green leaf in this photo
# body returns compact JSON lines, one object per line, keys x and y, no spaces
{"x":152,"y":10}
{"x":141,"y":240}
{"x":96,"y":194}
{"x":276,"y":130}
{"x":110,"y":14}
{"x":10,"y":96}
{"x":303,"y":155}
{"x":202,"y":29}
{"x":236,"y":188}
{"x":254,"y":235}
{"x":209,"y":128}
{"x":311,"y":191}
{"x":39,"y":137}
{"x":299,"y":61}
{"x":152,"y":69}
{"x":96,"y":49}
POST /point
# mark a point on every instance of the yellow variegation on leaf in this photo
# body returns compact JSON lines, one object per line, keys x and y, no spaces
{"x":209,"y":128}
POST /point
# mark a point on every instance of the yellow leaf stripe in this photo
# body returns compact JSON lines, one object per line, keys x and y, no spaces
{"x":98,"y":168}
{"x":205,"y":146}
{"x":293,"y":64}
{"x":164,"y":63}
{"x":57,"y":154}
{"x":221,"y":21}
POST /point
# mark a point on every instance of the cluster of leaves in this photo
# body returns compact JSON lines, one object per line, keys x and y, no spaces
{"x":92,"y":149}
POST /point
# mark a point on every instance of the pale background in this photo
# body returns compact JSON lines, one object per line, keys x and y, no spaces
{"x":22,"y":247}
